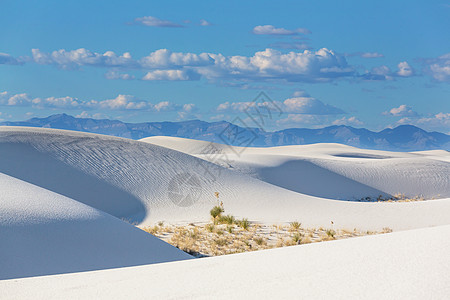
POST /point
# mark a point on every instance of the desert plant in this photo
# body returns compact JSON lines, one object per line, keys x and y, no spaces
{"x":220,"y":242}
{"x":210,"y":227}
{"x":243,"y":223}
{"x":331,"y":233}
{"x":230,"y":229}
{"x":297,"y":238}
{"x":152,"y":229}
{"x":259,"y":240}
{"x":295,"y":225}
{"x":215,"y":212}
{"x":387,"y":230}
{"x":229,"y":219}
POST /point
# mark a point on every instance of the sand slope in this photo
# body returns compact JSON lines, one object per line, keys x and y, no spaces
{"x":330,"y":170}
{"x":45,"y":233}
{"x":405,"y":265}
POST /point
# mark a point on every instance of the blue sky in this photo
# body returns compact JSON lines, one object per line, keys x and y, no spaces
{"x":372,"y":64}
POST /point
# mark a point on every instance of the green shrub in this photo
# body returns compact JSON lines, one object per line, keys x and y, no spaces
{"x":227,"y":219}
{"x":215,"y":212}
{"x":243,"y":223}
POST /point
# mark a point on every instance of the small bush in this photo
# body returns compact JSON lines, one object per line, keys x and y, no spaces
{"x":331,"y":233}
{"x":230,"y":229}
{"x":297,"y":238}
{"x":220,"y":242}
{"x":243,"y":223}
{"x":295,"y":226}
{"x":229,"y":219}
{"x":210,"y":227}
{"x":215,"y":212}
{"x":386,"y":230}
{"x":259,"y":240}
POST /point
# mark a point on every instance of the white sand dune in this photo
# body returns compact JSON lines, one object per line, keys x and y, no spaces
{"x":405,"y":265}
{"x":63,"y":194}
{"x":148,"y":183}
{"x":45,"y":233}
{"x":330,"y":170}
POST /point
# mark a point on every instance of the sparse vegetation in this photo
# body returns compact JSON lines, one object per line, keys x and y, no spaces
{"x":297,"y":238}
{"x":215,"y":212}
{"x":226,"y":234}
{"x":399,"y":197}
{"x":331,"y":233}
{"x":209,"y":239}
{"x":229,"y":219}
{"x":244,"y":224}
{"x":295,"y":226}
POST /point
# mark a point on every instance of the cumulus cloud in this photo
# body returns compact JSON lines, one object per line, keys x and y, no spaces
{"x":297,"y":105}
{"x":438,"y":122}
{"x":351,"y":121}
{"x":155,"y":22}
{"x":385,"y":73}
{"x":270,"y":65}
{"x":439,"y":68}
{"x":164,"y":58}
{"x":82,"y":57}
{"x":172,"y":75}
{"x":272,"y":30}
{"x":121,"y":103}
{"x":310,"y":66}
{"x":404,"y":69}
{"x":310,"y":106}
{"x":401,"y":111}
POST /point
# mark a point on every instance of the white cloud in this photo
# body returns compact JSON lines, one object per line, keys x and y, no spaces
{"x":310,"y":106}
{"x":404,"y":69}
{"x":173,"y":75}
{"x":82,"y":57}
{"x":438,"y":122}
{"x":439,"y":68}
{"x":272,"y":30}
{"x":385,"y":73}
{"x":121,"y":103}
{"x":114,"y":74}
{"x":205,"y":23}
{"x":351,"y":121}
{"x":155,"y":22}
{"x":86,"y":115}
{"x":320,"y":66}
{"x":401,"y":111}
{"x":6,"y":59}
{"x":297,"y":105}
{"x":270,"y":65}
{"x":164,"y":58}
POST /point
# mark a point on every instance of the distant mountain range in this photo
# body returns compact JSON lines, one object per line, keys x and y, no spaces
{"x":401,"y":138}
